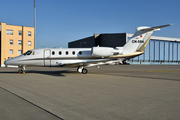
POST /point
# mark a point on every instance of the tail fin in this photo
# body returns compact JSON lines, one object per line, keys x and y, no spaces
{"x":140,"y":39}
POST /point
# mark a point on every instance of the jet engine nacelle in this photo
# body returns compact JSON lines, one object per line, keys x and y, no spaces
{"x":104,"y":51}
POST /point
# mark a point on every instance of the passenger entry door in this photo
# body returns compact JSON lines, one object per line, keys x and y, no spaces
{"x":47,"y":56}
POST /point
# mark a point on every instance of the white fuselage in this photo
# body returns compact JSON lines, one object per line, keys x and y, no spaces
{"x":55,"y":57}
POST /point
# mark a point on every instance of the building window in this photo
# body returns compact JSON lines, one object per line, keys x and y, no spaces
{"x":53,"y":52}
{"x":29,"y":43}
{"x":19,"y":52}
{"x":9,"y":32}
{"x":19,"y":32}
{"x":10,"y":51}
{"x":11,"y":42}
{"x":19,"y":42}
{"x":29,"y":33}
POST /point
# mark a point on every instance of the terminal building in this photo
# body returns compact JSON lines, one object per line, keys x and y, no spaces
{"x":160,"y":50}
{"x":14,"y":40}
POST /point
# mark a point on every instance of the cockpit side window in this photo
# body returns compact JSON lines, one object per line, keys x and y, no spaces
{"x":27,"y":53}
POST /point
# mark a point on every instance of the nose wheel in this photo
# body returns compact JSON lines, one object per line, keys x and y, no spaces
{"x":82,"y":70}
{"x":21,"y":70}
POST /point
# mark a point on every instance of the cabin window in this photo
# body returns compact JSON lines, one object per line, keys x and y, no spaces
{"x":53,"y":52}
{"x":73,"y":52}
{"x":67,"y":52}
{"x":80,"y":52}
{"x":60,"y":52}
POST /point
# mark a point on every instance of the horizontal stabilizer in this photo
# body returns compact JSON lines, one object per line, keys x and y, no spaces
{"x":155,"y":28}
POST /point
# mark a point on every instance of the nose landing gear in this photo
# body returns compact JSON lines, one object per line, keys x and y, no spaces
{"x":21,"y":69}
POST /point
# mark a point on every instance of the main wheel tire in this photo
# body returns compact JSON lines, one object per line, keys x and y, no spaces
{"x":84,"y":71}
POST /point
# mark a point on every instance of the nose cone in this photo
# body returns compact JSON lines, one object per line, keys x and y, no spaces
{"x":13,"y":61}
{"x":9,"y":62}
{"x":6,"y":62}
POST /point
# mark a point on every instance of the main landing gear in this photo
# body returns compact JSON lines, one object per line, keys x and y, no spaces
{"x":82,"y":70}
{"x":21,"y":69}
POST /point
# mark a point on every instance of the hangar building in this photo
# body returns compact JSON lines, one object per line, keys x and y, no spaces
{"x":160,"y":50}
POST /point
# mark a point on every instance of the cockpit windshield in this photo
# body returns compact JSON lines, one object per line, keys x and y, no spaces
{"x":28,"y":53}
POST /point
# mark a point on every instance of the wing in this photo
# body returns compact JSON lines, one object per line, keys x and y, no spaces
{"x":89,"y":63}
{"x":96,"y":62}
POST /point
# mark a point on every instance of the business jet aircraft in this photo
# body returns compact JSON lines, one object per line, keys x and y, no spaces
{"x":86,"y":57}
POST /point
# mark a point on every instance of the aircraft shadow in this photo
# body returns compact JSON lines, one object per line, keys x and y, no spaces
{"x":52,"y":73}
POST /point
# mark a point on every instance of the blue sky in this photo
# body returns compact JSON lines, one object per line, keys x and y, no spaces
{"x":61,"y":21}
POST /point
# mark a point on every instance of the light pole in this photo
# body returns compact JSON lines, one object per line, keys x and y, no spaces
{"x":34,"y":24}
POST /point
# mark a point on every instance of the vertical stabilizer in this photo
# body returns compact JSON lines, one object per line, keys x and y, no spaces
{"x":140,"y":39}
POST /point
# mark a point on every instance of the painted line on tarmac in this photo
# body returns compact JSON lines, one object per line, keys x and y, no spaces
{"x":162,"y":71}
{"x":32,"y":103}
